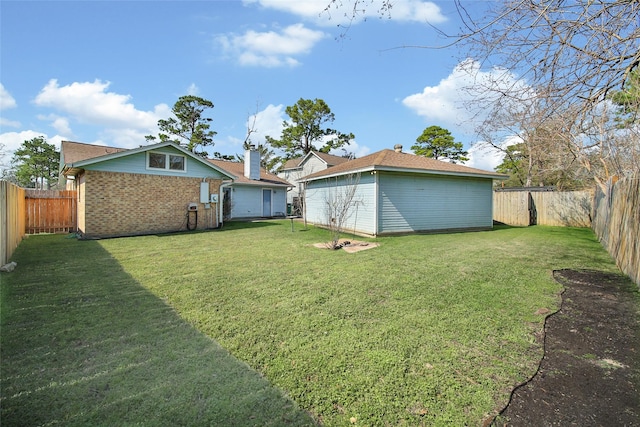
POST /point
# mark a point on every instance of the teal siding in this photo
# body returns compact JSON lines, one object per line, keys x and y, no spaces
{"x":422,"y":202}
{"x":137,"y":163}
{"x":362,"y":218}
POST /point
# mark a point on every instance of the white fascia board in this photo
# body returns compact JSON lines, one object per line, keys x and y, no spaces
{"x":333,"y":175}
{"x":446,"y":173}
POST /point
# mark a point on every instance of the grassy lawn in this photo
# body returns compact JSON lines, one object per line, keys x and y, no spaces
{"x":187,"y":329}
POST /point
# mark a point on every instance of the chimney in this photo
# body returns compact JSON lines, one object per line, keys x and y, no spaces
{"x":397,"y":148}
{"x":252,"y":163}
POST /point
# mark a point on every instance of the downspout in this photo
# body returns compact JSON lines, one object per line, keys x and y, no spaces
{"x":376,"y":191}
{"x":224,"y":185}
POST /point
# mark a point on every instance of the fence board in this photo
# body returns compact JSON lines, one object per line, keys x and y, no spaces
{"x":51,"y":211}
{"x":12,"y":219}
{"x":511,"y":208}
{"x":617,"y":223}
{"x":565,"y":209}
{"x":555,"y":208}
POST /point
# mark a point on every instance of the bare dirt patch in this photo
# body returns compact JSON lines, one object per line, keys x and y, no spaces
{"x":590,"y":372}
{"x":350,"y":246}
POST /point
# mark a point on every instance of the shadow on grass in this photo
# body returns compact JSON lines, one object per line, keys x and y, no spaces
{"x":84,"y":344}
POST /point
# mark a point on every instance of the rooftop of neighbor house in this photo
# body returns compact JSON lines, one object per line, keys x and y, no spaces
{"x":329,"y":159}
{"x":78,"y":151}
{"x":396,"y":160}
{"x":237,"y":169}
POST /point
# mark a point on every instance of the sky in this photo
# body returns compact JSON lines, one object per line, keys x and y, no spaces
{"x":105,"y":72}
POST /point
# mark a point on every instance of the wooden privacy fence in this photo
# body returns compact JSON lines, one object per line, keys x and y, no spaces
{"x":50,"y":211}
{"x":534,"y":207}
{"x":616,"y":222}
{"x":12,"y":219}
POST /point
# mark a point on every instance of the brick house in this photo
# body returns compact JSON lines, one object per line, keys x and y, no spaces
{"x":151,"y":189}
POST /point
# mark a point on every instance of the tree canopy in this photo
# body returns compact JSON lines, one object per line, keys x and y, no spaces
{"x":438,"y":143}
{"x":189,"y":128}
{"x":306,"y":130}
{"x":36,"y":163}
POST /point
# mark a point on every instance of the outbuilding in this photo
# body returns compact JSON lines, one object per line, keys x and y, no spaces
{"x":392,"y":192}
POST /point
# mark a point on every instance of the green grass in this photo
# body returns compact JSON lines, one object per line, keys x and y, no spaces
{"x":425,"y":329}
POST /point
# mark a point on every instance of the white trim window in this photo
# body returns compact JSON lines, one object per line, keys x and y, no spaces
{"x":166,"y":161}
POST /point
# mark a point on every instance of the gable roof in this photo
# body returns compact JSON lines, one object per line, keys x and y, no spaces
{"x":237,"y":170}
{"x":75,"y":156}
{"x":77,"y":151}
{"x":390,"y":160}
{"x":329,"y":159}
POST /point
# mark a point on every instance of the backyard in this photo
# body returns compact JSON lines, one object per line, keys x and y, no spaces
{"x":253,"y":325}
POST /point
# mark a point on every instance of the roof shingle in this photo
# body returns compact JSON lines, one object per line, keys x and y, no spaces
{"x":237,"y":169}
{"x":78,"y":151}
{"x":392,"y":160}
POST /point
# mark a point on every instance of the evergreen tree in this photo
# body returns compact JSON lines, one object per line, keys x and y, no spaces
{"x":36,"y":163}
{"x":306,"y":130}
{"x":438,"y":143}
{"x":189,"y":128}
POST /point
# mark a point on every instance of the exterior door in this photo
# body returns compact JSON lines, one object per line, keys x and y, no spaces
{"x":266,"y":202}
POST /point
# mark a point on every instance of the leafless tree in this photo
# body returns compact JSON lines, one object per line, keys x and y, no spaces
{"x":572,"y":52}
{"x":340,"y":203}
{"x":571,"y":55}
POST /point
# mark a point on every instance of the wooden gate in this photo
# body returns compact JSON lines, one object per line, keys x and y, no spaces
{"x":51,"y":211}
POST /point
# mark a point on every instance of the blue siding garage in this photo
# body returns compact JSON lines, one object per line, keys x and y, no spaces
{"x":403,"y":193}
{"x":363,"y":216}
{"x":410,"y":202}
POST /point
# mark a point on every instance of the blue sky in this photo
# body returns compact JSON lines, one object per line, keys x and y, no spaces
{"x":105,"y":72}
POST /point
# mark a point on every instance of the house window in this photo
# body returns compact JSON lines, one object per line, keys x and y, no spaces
{"x":164,"y":161}
{"x":176,"y":163}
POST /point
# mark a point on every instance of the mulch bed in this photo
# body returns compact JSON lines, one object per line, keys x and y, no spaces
{"x":350,"y":246}
{"x":590,"y":372}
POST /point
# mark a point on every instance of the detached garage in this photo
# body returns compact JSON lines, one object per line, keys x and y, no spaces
{"x":396,"y":192}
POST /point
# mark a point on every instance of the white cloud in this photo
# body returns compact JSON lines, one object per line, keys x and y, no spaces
{"x":340,"y":12}
{"x":91,"y":103}
{"x":271,"y":49}
{"x":6,"y":100}
{"x":461,"y":102}
{"x":60,"y":124}
{"x":267,"y":122}
{"x":451,"y":101}
{"x":486,"y":157}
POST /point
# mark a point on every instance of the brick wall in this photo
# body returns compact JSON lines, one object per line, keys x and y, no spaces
{"x":125,"y":204}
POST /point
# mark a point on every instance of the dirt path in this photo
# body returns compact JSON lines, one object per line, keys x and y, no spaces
{"x":590,"y":373}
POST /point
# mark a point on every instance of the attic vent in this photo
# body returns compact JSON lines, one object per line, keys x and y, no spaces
{"x":397,"y":148}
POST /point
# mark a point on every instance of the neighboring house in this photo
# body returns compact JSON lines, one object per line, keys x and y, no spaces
{"x":254,"y":191}
{"x":151,"y":189}
{"x":295,"y":169}
{"x":398,"y":192}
